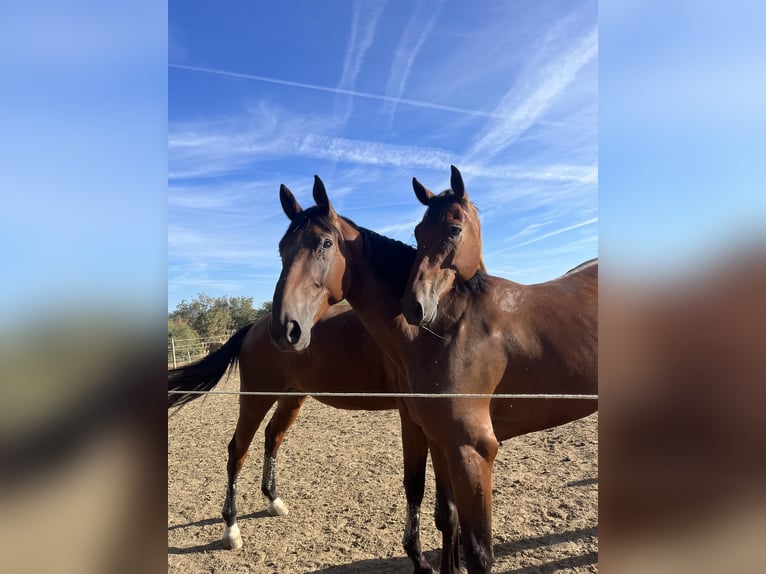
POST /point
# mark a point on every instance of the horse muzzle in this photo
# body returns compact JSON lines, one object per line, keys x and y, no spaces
{"x":288,"y":335}
{"x":418,"y":313}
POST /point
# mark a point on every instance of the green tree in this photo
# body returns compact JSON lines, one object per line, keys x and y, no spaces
{"x":242,"y":312}
{"x":263,"y":310}
{"x":213,"y":316}
{"x":215,"y":321}
{"x":178,"y":328}
{"x":193,"y":311}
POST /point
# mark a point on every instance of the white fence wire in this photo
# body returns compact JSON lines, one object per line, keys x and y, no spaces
{"x":185,"y":351}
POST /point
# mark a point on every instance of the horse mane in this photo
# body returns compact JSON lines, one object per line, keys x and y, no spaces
{"x":476,"y":284}
{"x":390,"y":260}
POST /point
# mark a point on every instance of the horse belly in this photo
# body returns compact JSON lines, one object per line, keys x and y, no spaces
{"x":515,"y":417}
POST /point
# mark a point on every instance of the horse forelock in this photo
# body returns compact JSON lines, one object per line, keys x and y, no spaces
{"x":441,"y":201}
{"x":306,"y":218}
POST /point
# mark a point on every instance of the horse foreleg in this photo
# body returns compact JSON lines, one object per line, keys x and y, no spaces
{"x":471,"y":478}
{"x":284,"y":416}
{"x":415,"y":449}
{"x":445,"y":514}
{"x":251,"y":414}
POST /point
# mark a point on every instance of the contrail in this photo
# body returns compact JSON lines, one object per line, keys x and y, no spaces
{"x":395,"y":100}
{"x":558,"y":231}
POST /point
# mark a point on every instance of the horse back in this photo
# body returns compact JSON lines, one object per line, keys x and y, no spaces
{"x":550,"y":331}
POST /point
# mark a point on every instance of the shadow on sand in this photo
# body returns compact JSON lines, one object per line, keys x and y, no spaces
{"x":403,"y":565}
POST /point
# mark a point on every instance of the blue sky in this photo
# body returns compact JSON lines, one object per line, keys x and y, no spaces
{"x":368,"y":95}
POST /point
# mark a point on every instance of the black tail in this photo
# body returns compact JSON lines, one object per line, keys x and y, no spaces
{"x":205,"y":374}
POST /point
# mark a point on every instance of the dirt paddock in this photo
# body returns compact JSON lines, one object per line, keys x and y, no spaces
{"x":340,"y":474}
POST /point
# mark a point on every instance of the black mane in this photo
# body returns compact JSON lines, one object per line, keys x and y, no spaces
{"x":391,"y":260}
{"x":476,"y":284}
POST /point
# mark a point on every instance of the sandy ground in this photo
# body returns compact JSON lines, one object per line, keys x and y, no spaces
{"x":340,"y":474}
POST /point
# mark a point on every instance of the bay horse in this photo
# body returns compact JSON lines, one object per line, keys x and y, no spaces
{"x":325,"y":258}
{"x":343,"y":359}
{"x":502,"y":337}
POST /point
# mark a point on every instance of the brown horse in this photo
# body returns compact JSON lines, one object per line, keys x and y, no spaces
{"x":499,"y":336}
{"x":343,"y":359}
{"x":327,"y":257}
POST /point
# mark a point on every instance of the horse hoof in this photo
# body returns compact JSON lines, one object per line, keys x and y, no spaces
{"x":277,"y":508}
{"x":232,"y":538}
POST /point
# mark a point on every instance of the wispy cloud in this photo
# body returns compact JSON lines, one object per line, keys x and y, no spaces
{"x":553,"y":173}
{"x":364,"y":21}
{"x":372,"y":153}
{"x":528,"y":230}
{"x":404,"y":227}
{"x":214,"y":148}
{"x":223,"y":146}
{"x":414,"y":37}
{"x":532,"y":95}
{"x":558,"y":231}
{"x":224,"y":196}
{"x":534,"y":265}
{"x":549,"y":234}
{"x":208,"y":246}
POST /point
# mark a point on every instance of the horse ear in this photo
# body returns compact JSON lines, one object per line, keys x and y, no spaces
{"x":321,"y":199}
{"x":456,"y":182}
{"x":289,"y":204}
{"x":421,"y":192}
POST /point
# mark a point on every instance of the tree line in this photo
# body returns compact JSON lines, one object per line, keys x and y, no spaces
{"x":206,"y":316}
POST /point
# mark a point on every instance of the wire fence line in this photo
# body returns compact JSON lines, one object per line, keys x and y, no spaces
{"x":184,"y":351}
{"x":393,"y":395}
{"x":203,"y":339}
{"x":201,"y":347}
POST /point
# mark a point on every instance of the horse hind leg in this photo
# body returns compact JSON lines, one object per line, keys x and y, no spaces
{"x":284,"y":416}
{"x":251,"y":414}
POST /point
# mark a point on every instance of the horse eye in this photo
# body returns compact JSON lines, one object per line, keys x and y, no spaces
{"x":454,"y":230}
{"x":327,"y":243}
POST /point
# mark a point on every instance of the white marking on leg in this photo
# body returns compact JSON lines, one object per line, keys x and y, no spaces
{"x":232,"y":537}
{"x":277,"y":507}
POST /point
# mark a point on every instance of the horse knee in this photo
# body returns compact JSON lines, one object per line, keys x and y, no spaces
{"x":445,"y":516}
{"x":487,"y":447}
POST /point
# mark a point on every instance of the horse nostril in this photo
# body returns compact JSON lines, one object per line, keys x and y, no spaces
{"x":293,"y":332}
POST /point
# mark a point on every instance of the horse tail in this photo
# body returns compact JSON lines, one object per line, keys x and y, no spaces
{"x":204,"y":374}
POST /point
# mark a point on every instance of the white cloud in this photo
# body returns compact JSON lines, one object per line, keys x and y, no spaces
{"x":532,"y":95}
{"x":547,"y":235}
{"x":363,"y":25}
{"x":413,"y":38}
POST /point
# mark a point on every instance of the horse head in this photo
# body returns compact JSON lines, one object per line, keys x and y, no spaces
{"x":449,"y":249}
{"x":314,"y":271}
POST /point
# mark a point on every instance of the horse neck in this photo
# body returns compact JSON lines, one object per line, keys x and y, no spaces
{"x":375,"y":299}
